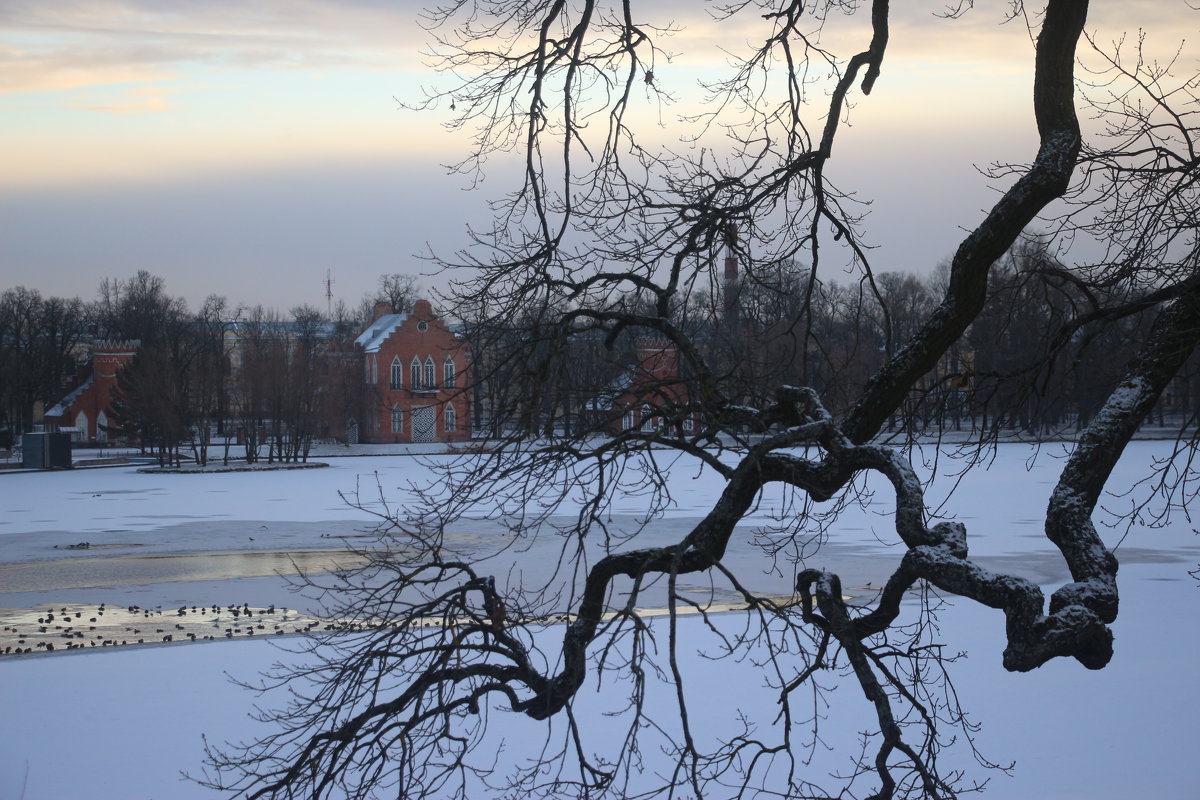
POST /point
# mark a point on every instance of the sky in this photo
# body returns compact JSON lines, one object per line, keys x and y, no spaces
{"x":252,"y":148}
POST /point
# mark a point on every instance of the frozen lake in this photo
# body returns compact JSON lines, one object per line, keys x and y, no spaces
{"x":132,"y":717}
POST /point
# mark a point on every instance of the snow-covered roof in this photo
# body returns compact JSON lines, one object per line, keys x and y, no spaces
{"x":372,"y":338}
{"x":60,"y":408}
{"x":605,"y":400}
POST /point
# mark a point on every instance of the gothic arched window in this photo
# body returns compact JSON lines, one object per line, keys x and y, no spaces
{"x":414,"y":374}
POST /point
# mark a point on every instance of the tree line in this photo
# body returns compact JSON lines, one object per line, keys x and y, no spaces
{"x":268,"y":383}
{"x":1023,"y":366}
{"x":246,"y":379}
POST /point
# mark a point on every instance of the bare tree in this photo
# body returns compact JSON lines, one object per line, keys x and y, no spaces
{"x":138,"y":308}
{"x":396,"y":289}
{"x":210,"y":376}
{"x":38,"y":337}
{"x":430,"y":647}
{"x":151,"y":403}
{"x":163,"y":396}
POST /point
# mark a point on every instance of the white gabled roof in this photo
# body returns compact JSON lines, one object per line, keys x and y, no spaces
{"x":605,"y":399}
{"x":63,"y":406}
{"x":372,"y":338}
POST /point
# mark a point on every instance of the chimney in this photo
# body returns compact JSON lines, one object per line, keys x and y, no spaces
{"x":731,"y":274}
{"x":423,"y":309}
{"x":382,"y":308}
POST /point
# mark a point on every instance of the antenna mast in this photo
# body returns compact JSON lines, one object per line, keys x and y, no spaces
{"x":328,"y":293}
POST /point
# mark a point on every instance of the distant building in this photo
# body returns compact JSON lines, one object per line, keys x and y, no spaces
{"x":415,"y":370}
{"x":84,"y":412}
{"x":413,"y":387}
{"x":650,"y":395}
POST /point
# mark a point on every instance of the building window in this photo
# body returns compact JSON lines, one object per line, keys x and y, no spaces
{"x":397,"y":415}
{"x":449,"y":373}
{"x":688,"y":424}
{"x":374,"y":370}
{"x":414,"y":374}
{"x":627,"y":420}
{"x":101,"y":424}
{"x":647,"y":420}
{"x":449,"y":419}
{"x":430,"y":374}
{"x":397,"y":373}
{"x":81,"y":427}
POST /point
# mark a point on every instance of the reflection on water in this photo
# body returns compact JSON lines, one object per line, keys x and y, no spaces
{"x":84,"y":573}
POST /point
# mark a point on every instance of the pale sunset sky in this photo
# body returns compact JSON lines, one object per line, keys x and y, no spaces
{"x":247,"y":148}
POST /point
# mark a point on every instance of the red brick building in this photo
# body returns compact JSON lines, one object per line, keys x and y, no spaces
{"x":84,"y":411}
{"x":650,"y":396}
{"x":415,"y":374}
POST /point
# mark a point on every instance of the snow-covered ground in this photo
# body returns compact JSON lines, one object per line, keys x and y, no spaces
{"x":123,"y":723}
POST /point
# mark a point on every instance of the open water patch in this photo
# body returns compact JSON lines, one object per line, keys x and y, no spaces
{"x":138,"y":570}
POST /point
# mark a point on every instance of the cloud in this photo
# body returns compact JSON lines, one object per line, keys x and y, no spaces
{"x":138,"y":100}
{"x":70,"y":45}
{"x":25,"y":71}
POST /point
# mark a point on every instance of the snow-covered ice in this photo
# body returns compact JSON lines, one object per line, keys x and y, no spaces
{"x":123,"y":723}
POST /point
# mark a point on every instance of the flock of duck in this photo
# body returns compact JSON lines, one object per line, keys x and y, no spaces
{"x":51,"y":629}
